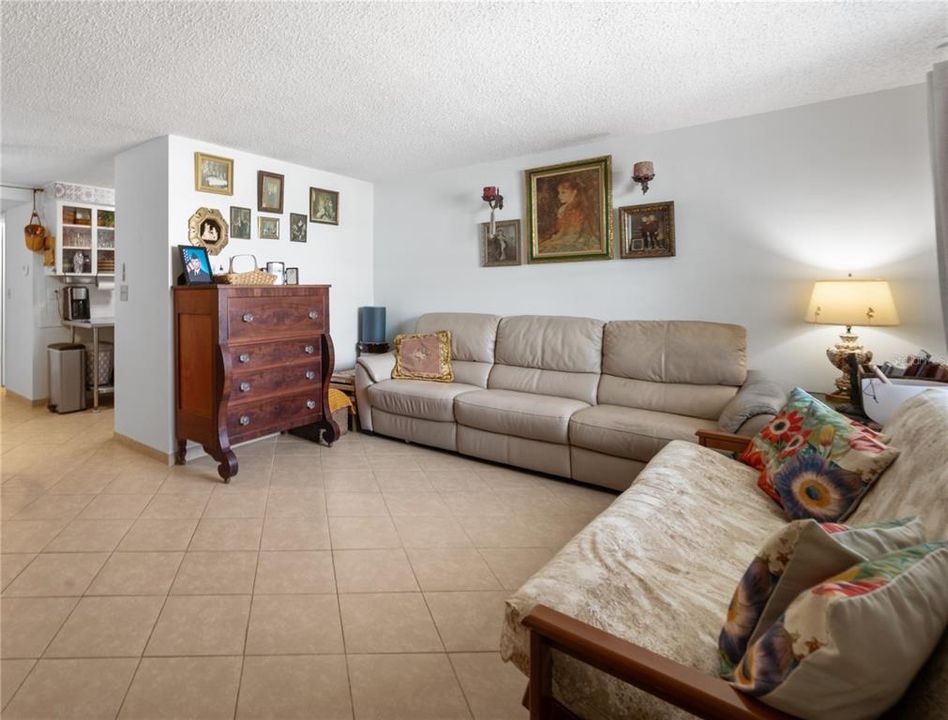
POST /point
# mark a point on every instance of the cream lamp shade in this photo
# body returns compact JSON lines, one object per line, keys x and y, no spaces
{"x":852,"y":302}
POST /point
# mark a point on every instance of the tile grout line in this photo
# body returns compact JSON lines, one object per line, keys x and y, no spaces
{"x":253,"y":586}
{"x":335,"y":580}
{"x":79,"y":602}
{"x":161,"y":610}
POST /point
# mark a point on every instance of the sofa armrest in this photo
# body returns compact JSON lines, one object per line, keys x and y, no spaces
{"x":723,"y":441}
{"x":757,"y":396}
{"x":692,"y":690}
{"x":379,"y":367}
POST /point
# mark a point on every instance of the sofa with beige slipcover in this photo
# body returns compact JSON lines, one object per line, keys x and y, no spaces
{"x":658,"y":567}
{"x":575,"y":397}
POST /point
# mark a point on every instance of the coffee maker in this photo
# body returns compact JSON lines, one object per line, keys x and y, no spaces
{"x":75,"y":302}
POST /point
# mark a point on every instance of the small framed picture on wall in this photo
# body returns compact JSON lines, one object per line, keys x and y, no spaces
{"x":647,"y":231}
{"x":323,"y":206}
{"x":213,"y":174}
{"x":269,"y":227}
{"x":269,"y":192}
{"x":297,"y":227}
{"x":239,"y":222}
{"x":503,"y":247}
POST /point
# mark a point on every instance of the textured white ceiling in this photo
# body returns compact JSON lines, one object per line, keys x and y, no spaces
{"x":379,"y":90}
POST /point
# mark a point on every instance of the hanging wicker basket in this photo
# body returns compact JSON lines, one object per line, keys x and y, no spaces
{"x":35,"y":234}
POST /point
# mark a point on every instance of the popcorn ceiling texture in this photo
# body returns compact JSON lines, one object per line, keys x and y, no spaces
{"x":381,"y":90}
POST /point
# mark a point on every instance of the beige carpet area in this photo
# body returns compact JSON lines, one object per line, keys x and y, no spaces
{"x":365,"y":580}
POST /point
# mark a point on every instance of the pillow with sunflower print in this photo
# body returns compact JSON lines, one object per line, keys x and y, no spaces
{"x":796,"y":557}
{"x":815,"y":462}
{"x":850,"y":646}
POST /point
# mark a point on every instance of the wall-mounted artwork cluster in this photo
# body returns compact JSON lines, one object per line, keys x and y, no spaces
{"x":214,"y":174}
{"x":570,"y":218}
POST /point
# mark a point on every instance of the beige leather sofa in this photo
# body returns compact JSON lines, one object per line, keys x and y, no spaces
{"x":658,"y":566}
{"x":580,"y":398}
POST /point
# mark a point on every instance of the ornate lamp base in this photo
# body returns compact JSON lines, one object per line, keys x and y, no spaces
{"x":838,"y":355}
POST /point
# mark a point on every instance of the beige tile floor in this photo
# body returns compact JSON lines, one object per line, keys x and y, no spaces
{"x":365,"y":580}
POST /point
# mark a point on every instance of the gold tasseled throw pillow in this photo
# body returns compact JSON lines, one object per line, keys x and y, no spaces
{"x":423,"y":356}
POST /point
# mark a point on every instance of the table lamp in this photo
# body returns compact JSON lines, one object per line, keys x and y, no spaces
{"x":850,"y":302}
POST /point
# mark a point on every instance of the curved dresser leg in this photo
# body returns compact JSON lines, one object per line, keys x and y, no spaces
{"x":227,"y":462}
{"x":330,"y":431}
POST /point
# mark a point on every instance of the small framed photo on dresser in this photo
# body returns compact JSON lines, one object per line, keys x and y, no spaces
{"x":292,"y":276}
{"x":196,"y":265}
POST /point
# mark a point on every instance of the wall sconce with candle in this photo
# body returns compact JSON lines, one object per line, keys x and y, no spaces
{"x":495,"y":200}
{"x":643,"y":173}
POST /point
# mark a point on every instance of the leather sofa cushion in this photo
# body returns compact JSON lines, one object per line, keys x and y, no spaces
{"x":630,"y":432}
{"x":698,"y":353}
{"x":473,"y":335}
{"x":418,"y":398}
{"x":578,"y":386}
{"x":471,"y":373}
{"x":703,"y":401}
{"x":536,"y":417}
{"x":568,"y":344}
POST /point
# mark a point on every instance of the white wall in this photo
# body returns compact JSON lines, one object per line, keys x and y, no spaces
{"x":143,"y":329}
{"x":764,"y":205}
{"x":155,"y":197}
{"x":31,"y":310}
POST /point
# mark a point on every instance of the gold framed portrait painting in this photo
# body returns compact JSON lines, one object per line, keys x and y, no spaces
{"x":213,"y":174}
{"x":569,"y":211}
{"x":647,"y":230}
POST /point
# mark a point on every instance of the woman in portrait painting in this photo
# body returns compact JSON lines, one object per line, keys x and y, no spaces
{"x":575,"y":227}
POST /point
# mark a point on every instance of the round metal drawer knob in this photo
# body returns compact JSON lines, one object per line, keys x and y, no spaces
{"x":310,"y":375}
{"x":244,"y":419}
{"x":308,"y":349}
{"x":311,"y":404}
{"x":247,"y":317}
{"x":245,"y":387}
{"x":313,"y":314}
{"x":244,"y":357}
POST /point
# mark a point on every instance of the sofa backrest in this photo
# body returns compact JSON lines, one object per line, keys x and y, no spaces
{"x":683,"y":367}
{"x":547,"y":355}
{"x":917,"y":482}
{"x":473,"y":337}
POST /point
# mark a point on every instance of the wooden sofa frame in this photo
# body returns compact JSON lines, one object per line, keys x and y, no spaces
{"x":692,"y":690}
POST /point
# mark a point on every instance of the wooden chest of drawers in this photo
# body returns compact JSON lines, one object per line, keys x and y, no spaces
{"x":250,"y":361}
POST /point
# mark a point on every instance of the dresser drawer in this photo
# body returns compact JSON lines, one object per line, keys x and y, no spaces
{"x":251,"y":357}
{"x":246,"y":420}
{"x":254,"y":384}
{"x":260,"y":318}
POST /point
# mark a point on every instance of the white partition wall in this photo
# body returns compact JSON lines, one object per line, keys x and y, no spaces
{"x":143,"y":342}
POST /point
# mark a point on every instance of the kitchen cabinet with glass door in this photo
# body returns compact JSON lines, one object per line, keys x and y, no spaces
{"x":85,"y":244}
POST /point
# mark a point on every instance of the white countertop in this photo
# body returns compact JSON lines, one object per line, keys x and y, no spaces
{"x":99,"y":322}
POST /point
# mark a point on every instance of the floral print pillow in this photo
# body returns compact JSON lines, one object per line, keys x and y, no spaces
{"x":814,"y":462}
{"x":796,"y":557}
{"x":850,"y":646}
